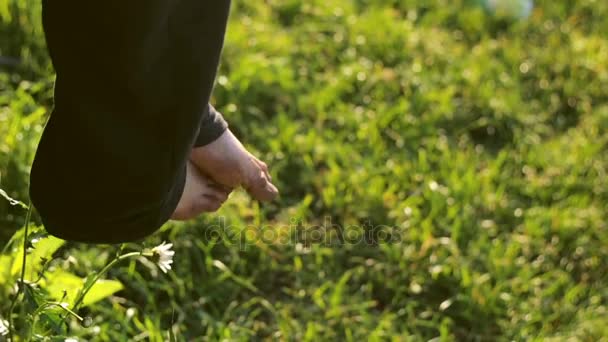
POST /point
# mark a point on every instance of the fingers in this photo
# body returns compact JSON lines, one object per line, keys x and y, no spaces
{"x":219,"y":187}
{"x":200,"y":195}
{"x":217,"y":193}
{"x":196,"y":207}
{"x":264,"y":168}
{"x":192,"y":207}
{"x":227,"y":162}
{"x":259,"y":185}
{"x":206,"y":204}
{"x":265,"y":193}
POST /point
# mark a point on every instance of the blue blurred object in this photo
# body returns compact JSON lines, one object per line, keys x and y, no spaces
{"x":515,"y":9}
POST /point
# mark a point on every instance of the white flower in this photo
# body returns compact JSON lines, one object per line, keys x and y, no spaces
{"x":163,"y":255}
{"x":3,"y":327}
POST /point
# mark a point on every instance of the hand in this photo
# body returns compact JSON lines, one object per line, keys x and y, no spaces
{"x":228,"y":163}
{"x":201,"y":195}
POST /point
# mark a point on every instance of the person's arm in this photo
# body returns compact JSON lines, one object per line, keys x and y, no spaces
{"x":131,"y":100}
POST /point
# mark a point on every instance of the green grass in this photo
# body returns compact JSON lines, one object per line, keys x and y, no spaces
{"x":477,"y":144}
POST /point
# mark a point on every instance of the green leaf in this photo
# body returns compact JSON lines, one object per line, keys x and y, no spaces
{"x":337,"y":297}
{"x":43,"y":249}
{"x":52,"y":319}
{"x":5,"y":13}
{"x":102,"y":289}
{"x":5,"y":263}
{"x":60,"y":281}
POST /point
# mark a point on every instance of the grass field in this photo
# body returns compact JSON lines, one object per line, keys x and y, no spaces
{"x":442,"y":170}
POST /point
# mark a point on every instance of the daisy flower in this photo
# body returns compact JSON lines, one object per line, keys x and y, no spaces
{"x":3,"y":327}
{"x":163,"y":256}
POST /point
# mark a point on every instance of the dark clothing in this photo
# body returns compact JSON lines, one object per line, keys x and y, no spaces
{"x":133,"y":83}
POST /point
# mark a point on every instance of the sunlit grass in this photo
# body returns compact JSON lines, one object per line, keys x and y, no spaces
{"x":476,"y":143}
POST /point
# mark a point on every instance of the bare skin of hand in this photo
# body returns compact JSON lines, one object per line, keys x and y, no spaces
{"x":228,"y":163}
{"x":201,"y":195}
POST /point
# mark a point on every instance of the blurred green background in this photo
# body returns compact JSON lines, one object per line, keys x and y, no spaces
{"x":476,"y":143}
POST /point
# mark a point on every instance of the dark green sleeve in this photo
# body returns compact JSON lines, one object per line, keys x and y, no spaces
{"x":134,"y":78}
{"x":212,"y":126}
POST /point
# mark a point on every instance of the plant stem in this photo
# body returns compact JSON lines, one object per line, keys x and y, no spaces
{"x":22,"y":277}
{"x":89,"y":284}
{"x":43,"y":307}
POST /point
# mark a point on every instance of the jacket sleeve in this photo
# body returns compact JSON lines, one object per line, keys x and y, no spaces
{"x":132,"y":93}
{"x":212,"y":127}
